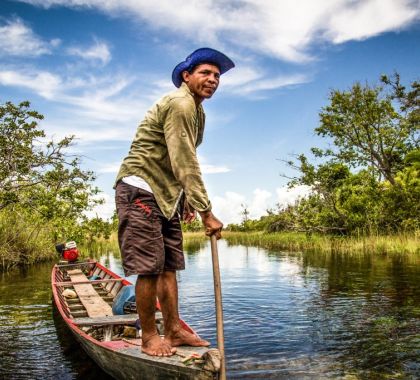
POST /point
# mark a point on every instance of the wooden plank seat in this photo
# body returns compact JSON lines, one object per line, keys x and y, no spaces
{"x":71,"y":283}
{"x":126,"y":319}
{"x":95,"y":306}
{"x":76,"y":264}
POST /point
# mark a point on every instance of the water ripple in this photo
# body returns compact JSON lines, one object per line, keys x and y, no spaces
{"x":287,"y":316}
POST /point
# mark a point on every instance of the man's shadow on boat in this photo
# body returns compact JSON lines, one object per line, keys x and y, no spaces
{"x":79,"y":363}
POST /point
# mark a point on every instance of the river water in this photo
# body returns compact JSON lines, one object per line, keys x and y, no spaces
{"x":287,"y":316}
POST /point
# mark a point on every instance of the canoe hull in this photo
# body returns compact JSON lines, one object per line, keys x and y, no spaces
{"x":122,"y":358}
{"x":126,"y":367}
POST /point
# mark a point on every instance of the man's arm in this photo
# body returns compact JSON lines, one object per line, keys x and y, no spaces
{"x":180,"y":135}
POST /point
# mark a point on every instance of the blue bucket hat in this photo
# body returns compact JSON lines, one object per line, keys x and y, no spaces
{"x":203,"y":55}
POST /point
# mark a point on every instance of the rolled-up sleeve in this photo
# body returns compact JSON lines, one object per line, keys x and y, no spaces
{"x":180,"y":131}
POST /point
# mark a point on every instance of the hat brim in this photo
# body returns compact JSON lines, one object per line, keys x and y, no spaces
{"x":200,"y":56}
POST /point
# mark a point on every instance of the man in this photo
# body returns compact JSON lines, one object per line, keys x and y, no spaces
{"x":160,"y":174}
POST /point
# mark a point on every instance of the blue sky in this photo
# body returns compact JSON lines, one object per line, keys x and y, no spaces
{"x":93,"y":67}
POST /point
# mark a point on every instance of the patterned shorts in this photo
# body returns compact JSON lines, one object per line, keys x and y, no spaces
{"x":149,"y":243}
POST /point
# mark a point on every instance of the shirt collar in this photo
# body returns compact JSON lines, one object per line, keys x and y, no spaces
{"x":184,"y":87}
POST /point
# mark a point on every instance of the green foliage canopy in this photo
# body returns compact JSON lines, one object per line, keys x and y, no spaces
{"x":368,"y":179}
{"x":38,"y":174}
{"x":372,"y":126}
{"x":42,"y":185}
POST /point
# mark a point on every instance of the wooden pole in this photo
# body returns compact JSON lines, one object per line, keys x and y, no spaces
{"x":219,"y":308}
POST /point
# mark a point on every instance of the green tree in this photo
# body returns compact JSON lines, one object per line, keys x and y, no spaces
{"x":368,"y":180}
{"x":43,"y":190}
{"x":372,"y":127}
{"x":402,"y":201}
{"x":194,"y":226}
{"x":96,"y":228}
{"x":36,"y":173}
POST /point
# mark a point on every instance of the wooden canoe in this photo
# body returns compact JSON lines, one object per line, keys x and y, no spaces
{"x":104,"y":335}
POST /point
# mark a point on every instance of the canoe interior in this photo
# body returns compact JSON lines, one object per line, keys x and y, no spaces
{"x":113,"y":341}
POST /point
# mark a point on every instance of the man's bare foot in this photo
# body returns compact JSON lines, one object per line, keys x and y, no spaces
{"x":185,"y":338}
{"x":154,"y":345}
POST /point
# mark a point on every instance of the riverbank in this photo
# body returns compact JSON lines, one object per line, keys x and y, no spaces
{"x":29,"y":248}
{"x":293,"y":241}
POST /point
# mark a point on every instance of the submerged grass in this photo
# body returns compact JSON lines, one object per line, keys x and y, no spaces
{"x":294,"y":241}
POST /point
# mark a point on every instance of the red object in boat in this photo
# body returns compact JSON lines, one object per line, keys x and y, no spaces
{"x":71,"y":254}
{"x":68,"y":251}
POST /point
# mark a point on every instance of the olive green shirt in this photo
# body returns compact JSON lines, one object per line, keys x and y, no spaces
{"x":163,"y":152}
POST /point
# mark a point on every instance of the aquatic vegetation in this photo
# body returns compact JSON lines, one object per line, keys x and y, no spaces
{"x":23,"y":241}
{"x":194,"y":241}
{"x":293,"y":241}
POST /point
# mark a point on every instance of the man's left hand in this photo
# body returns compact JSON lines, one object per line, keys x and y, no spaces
{"x":189,"y":214}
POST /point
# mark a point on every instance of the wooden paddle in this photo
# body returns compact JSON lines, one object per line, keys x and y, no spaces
{"x":219,"y":308}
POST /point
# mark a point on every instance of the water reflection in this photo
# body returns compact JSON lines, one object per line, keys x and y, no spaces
{"x":287,"y":316}
{"x":31,"y":344}
{"x":80,"y":366}
{"x":310,"y":316}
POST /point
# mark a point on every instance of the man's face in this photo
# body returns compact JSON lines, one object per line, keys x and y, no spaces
{"x":203,"y":81}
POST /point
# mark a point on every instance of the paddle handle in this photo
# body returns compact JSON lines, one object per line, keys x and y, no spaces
{"x":219,"y":307}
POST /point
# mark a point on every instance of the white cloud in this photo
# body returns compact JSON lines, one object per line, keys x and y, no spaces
{"x":282,"y":29}
{"x":285,"y":30}
{"x":17,"y":39}
{"x":44,"y":83}
{"x":369,"y":18}
{"x":271,"y":84}
{"x":98,"y":52}
{"x":229,"y":207}
{"x":288,"y":196}
{"x":245,"y":80}
{"x":110,"y":168}
{"x":105,"y":210}
{"x":207,"y":168}
{"x":259,"y":204}
{"x":241,"y":76}
{"x":100,"y":107}
{"x":97,"y":134}
{"x":212,"y":169}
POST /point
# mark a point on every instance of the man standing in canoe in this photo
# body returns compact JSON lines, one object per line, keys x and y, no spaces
{"x":158,"y":180}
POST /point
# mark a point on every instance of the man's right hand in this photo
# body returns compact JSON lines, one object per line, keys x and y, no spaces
{"x":213,"y":226}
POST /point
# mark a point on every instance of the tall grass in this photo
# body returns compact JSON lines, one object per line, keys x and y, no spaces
{"x":23,"y":240}
{"x":293,"y":241}
{"x":99,"y":247}
{"x":193,"y":241}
